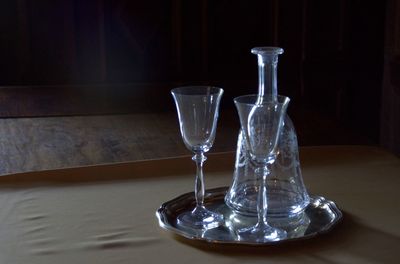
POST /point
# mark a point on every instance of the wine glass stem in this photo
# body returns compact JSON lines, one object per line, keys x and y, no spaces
{"x":262,"y":196}
{"x":199,"y":158}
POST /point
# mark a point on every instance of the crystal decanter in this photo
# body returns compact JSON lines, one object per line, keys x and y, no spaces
{"x":287,"y":195}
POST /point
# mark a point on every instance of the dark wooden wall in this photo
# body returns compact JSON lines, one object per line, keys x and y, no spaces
{"x":125,"y":52}
{"x":390,"y":110}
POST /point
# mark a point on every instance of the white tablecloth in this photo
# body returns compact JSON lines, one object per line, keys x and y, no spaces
{"x":106,"y":214}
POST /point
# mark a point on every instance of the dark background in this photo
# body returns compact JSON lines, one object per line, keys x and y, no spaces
{"x":118,"y":56}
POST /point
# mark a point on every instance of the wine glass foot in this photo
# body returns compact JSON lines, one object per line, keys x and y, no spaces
{"x":200,"y":218}
{"x":261,"y":233}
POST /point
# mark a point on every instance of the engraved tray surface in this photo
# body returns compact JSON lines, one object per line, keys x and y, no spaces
{"x":320,"y":216}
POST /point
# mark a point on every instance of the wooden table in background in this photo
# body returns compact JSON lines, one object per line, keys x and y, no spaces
{"x":42,"y":143}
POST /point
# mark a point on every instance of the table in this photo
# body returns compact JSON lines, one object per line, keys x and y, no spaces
{"x":106,"y":213}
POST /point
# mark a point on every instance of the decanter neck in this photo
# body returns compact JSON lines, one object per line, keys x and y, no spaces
{"x":267,"y":70}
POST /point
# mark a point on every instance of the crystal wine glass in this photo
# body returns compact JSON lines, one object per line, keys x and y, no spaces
{"x":261,"y":119}
{"x":197,"y":108}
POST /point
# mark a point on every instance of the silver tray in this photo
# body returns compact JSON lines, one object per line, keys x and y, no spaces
{"x":319,"y":217}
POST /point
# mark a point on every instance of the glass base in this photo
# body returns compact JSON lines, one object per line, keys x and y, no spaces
{"x":283,"y":202}
{"x":261,"y":233}
{"x":200,"y":218}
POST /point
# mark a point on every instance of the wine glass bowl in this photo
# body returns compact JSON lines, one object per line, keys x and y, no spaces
{"x":197,"y":108}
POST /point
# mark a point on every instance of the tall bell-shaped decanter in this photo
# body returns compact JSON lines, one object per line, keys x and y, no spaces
{"x":287,"y":195}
